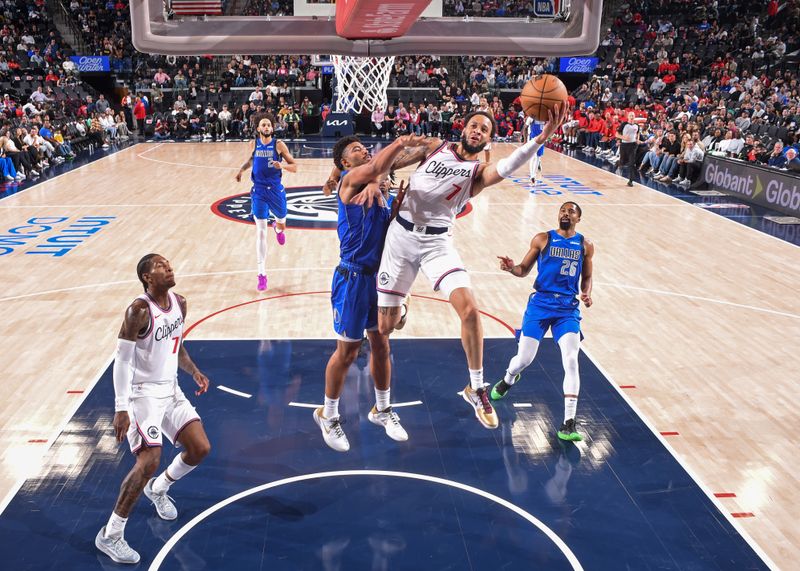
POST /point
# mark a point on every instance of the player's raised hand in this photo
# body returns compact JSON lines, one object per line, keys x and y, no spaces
{"x":121,"y":424}
{"x":586,"y":299}
{"x":329,"y":187}
{"x":506,"y":263}
{"x":368,"y":196}
{"x":398,"y":200}
{"x":202,"y":382}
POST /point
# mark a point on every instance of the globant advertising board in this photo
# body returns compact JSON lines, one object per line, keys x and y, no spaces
{"x":775,"y":189}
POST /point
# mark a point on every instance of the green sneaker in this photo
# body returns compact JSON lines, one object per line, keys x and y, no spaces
{"x":501,"y":388}
{"x":569,"y":431}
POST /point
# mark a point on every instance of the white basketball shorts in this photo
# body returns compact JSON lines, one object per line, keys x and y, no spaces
{"x":406,"y":252}
{"x":153,"y":416}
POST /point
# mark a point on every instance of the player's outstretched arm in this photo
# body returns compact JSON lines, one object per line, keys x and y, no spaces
{"x":382,"y":162}
{"x":493,"y":173}
{"x":185,"y":361}
{"x":524,"y":267}
{"x":413,"y":155}
{"x":137,"y":316}
{"x":283,"y":151}
{"x":586,"y":274}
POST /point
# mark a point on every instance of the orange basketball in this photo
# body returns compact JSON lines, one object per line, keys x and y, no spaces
{"x":541,"y":93}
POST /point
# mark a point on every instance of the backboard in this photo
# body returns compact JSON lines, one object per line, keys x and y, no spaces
{"x":561,"y":28}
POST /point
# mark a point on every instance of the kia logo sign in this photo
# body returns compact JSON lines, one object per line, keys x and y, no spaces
{"x":577,"y":64}
{"x":336,"y":122}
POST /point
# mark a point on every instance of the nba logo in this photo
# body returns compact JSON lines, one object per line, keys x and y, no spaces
{"x":545,"y":8}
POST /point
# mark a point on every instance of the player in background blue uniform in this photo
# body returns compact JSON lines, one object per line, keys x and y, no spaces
{"x":564,"y":259}
{"x":267,"y":193}
{"x":354,"y":296}
{"x":534,"y":128}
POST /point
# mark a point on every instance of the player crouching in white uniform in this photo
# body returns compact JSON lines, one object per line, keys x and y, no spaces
{"x":148,"y":402}
{"x":420,"y":238}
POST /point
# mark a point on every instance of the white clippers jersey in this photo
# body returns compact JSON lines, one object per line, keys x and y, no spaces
{"x":156,"y":355}
{"x":439,"y":188}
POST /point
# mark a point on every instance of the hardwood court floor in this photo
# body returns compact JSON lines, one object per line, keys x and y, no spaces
{"x":697,"y":312}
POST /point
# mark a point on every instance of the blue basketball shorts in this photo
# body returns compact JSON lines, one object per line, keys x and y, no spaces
{"x":540,"y":317}
{"x":354,"y":300}
{"x":266,"y":202}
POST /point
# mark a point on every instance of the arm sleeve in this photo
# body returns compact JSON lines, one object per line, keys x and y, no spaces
{"x":123,"y":374}
{"x":507,"y":166}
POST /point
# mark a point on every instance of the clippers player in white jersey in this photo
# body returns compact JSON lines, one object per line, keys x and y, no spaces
{"x":149,"y":404}
{"x":420,"y":238}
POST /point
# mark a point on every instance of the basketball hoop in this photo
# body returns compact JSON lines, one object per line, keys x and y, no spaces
{"x":361,"y":82}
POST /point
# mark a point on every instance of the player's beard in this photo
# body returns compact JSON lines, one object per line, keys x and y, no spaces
{"x":564,"y":224}
{"x":471,"y":149}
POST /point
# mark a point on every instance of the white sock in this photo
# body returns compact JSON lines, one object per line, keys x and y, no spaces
{"x":526,"y":353}
{"x":262,"y":227}
{"x":476,"y":379}
{"x":382,"y":399}
{"x":570,"y":346}
{"x":331,"y":409}
{"x":534,"y":165}
{"x":115,"y":526}
{"x":281,"y":221}
{"x":176,"y":470}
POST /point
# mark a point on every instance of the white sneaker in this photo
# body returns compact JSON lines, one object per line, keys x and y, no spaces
{"x":116,"y":548}
{"x":165,"y":508}
{"x":332,"y":431}
{"x":389,"y":420}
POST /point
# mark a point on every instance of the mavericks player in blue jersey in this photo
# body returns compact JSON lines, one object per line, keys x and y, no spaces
{"x":534,"y":128}
{"x":267,"y":194}
{"x":564,"y":258}
{"x":354,"y":295}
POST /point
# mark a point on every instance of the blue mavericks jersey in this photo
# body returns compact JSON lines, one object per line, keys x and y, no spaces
{"x":264,"y":175}
{"x":536,"y":129}
{"x":361,"y":232}
{"x":560,"y":265}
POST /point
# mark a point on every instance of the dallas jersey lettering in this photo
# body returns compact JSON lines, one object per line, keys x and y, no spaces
{"x":265,"y":177}
{"x":361,"y":232}
{"x":155,"y":361}
{"x":560,"y":265}
{"x":439,"y":188}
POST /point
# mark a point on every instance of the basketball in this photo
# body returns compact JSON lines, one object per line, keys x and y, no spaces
{"x":541,"y":93}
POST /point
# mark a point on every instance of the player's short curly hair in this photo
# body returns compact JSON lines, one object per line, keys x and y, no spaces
{"x":339,"y":148}
{"x":144,"y":266}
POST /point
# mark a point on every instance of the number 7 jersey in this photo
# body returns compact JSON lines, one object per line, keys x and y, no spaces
{"x":560,"y":265}
{"x":156,"y":354}
{"x":439,"y":188}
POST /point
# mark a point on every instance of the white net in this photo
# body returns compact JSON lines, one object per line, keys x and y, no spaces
{"x":361,"y":82}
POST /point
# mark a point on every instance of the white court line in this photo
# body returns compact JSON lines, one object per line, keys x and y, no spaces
{"x":725,"y":512}
{"x":47,"y":180}
{"x":592,"y":204}
{"x":234,"y":392}
{"x":304,"y":404}
{"x":476,"y":272}
{"x":402,"y":404}
{"x":170,"y":544}
{"x":57,"y":432}
{"x":523,"y":405}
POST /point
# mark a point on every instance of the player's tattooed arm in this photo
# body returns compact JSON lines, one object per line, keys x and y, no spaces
{"x":137,"y":317}
{"x":283,"y":150}
{"x":586,"y":274}
{"x":332,"y":182}
{"x":246,"y":165}
{"x":413,"y":155}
